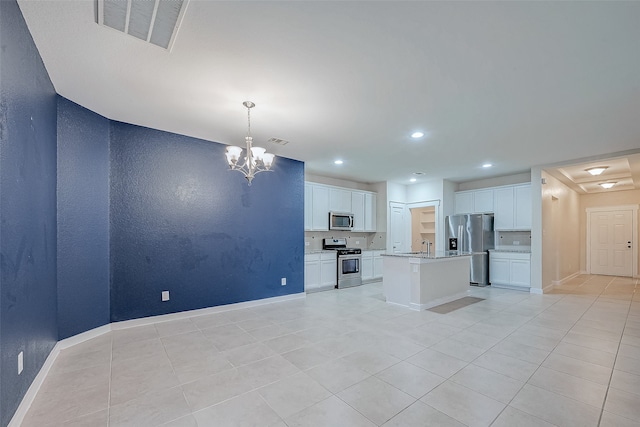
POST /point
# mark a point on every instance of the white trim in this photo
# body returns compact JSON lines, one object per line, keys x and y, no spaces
{"x":34,"y":388}
{"x":30,"y":395}
{"x":536,"y":291}
{"x":565,"y":280}
{"x":634,"y":234}
{"x":85,"y":336}
{"x":125,"y":324}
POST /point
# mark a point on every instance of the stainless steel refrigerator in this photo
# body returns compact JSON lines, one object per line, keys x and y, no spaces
{"x":472,"y":233}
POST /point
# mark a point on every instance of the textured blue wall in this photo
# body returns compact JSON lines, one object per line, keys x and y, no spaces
{"x":27,"y":210}
{"x":83,"y":219}
{"x":181,"y":221}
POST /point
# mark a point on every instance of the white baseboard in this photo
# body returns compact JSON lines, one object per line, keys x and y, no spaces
{"x":565,"y":279}
{"x":125,"y":324}
{"x":31,"y":393}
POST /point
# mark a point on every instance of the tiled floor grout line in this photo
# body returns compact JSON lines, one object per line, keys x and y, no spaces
{"x":110,"y":381}
{"x":604,"y":401}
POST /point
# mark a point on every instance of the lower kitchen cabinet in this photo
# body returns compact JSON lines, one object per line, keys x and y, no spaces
{"x":371,"y":265}
{"x":320,"y":271}
{"x":510,"y":270}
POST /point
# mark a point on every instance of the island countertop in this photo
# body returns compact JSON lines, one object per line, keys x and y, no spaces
{"x":434,"y":255}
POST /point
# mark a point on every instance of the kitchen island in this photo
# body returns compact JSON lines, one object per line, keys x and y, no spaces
{"x":420,"y":281}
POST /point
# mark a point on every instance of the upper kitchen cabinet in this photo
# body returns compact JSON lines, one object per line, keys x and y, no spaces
{"x":513,"y":207}
{"x":474,"y":201}
{"x":340,"y":200}
{"x":316,"y":207}
{"x":363,"y":208}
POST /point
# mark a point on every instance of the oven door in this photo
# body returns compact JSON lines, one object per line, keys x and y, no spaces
{"x":349,"y":271}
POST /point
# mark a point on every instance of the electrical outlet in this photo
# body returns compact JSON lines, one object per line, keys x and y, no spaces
{"x":165,"y":295}
{"x":516,"y":242}
{"x":307,"y":243}
{"x":283,"y":281}
{"x":20,"y":362}
{"x":357,"y":242}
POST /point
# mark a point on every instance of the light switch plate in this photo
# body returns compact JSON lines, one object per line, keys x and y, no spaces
{"x":165,"y":295}
{"x":20,"y":362}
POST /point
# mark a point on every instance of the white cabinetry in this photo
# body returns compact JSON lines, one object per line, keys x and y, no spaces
{"x":370,"y":209}
{"x":319,"y":199}
{"x":320,"y":271}
{"x":357,"y":209}
{"x":367,"y":265}
{"x":474,"y":201}
{"x":483,"y":201}
{"x":510,"y":270}
{"x":377,"y":264}
{"x":316,"y":207}
{"x":371,"y":265}
{"x":464,"y":202}
{"x":339,"y":200}
{"x":522,"y":214}
{"x":513,"y":208}
{"x":363,"y":208}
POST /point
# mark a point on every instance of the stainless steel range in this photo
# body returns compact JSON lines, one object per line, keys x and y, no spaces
{"x":349,"y":260}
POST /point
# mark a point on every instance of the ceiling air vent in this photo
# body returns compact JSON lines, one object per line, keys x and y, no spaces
{"x":154,"y":21}
{"x":278,"y":141}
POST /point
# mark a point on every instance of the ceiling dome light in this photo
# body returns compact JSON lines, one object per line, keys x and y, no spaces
{"x":487,"y":165}
{"x":597,"y":170}
{"x":412,"y":180}
{"x":607,"y":185}
{"x":338,"y":162}
{"x":416,"y":135}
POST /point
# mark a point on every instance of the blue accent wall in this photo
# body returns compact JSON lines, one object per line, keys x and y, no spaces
{"x":182,"y":221}
{"x":28,"y":313}
{"x":83,"y":219}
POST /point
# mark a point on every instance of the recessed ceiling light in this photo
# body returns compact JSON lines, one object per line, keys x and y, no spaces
{"x":487,"y":165}
{"x":607,"y":185}
{"x":413,"y":180}
{"x":416,"y":135}
{"x":597,"y":170}
{"x":338,"y":162}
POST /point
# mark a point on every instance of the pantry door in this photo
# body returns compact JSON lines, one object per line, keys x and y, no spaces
{"x":611,"y":241}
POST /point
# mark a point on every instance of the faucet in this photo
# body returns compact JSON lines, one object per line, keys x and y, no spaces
{"x":427,"y":244}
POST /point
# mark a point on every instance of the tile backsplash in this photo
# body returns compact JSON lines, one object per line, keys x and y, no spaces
{"x":513,"y":238}
{"x":364,"y":241}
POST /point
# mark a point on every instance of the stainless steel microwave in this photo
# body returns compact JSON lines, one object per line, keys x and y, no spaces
{"x":340,"y":221}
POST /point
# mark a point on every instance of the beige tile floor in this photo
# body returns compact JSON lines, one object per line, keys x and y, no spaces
{"x":346,"y":358}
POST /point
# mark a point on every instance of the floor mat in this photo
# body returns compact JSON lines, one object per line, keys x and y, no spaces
{"x":454,"y":305}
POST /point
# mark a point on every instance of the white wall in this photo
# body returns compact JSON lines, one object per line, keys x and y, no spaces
{"x":520,"y":178}
{"x":339,"y":182}
{"x":560,"y":231}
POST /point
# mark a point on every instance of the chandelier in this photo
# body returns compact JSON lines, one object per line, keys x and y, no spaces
{"x":254,"y":159}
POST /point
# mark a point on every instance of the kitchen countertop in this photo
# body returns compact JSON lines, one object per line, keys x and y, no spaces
{"x":317,"y":251}
{"x":435,"y":255}
{"x":512,"y":250}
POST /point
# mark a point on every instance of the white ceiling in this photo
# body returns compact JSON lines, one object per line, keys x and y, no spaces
{"x":516,"y":84}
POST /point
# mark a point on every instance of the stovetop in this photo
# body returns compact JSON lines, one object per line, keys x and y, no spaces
{"x":339,"y":245}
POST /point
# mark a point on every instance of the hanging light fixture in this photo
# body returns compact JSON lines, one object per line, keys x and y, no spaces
{"x":254,"y":159}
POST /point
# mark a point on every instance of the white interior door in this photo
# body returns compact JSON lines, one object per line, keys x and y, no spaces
{"x":398,"y":227}
{"x":611,"y":242}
